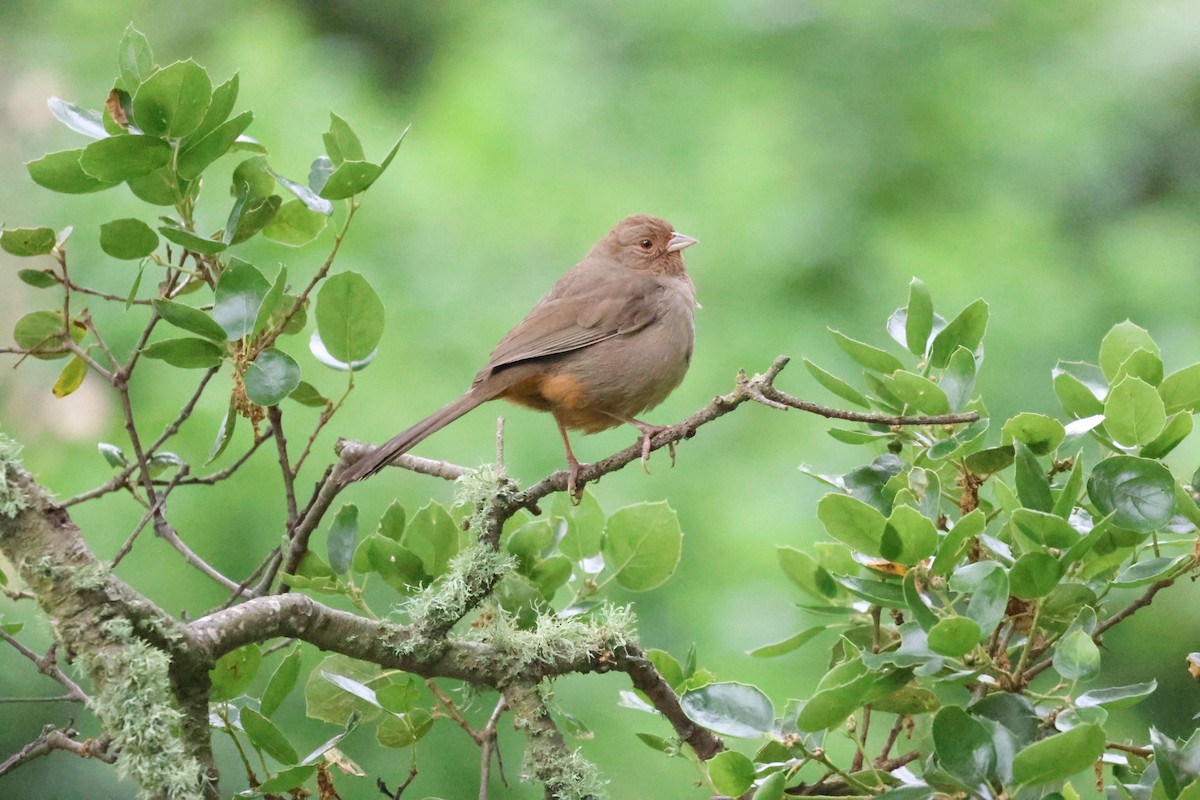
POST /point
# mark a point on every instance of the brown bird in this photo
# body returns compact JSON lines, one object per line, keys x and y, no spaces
{"x":611,"y":339}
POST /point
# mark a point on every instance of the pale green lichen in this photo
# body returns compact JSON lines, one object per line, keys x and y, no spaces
{"x":132,"y":699}
{"x":12,"y":500}
{"x":567,"y":774}
{"x":470,"y":573}
{"x":554,"y":639}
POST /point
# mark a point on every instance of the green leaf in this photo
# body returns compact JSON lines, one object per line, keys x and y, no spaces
{"x":730,"y":709}
{"x":945,"y":448}
{"x":267,"y":737}
{"x":433,"y":537}
{"x":917,"y":606}
{"x":1041,"y":434}
{"x":836,"y":385}
{"x":920,"y":393}
{"x":71,"y":377}
{"x":1077,"y":657}
{"x":1081,"y":388}
{"x":1069,"y":493}
{"x":1139,"y":492}
{"x":112,"y":454}
{"x":530,"y":540}
{"x":908,"y":700}
{"x":393,"y":521}
{"x":38,"y":278}
{"x":806,"y":573}
{"x":189,"y":240}
{"x":283,"y":680}
{"x":865,"y":355}
{"x":189,"y":319}
{"x":918,"y":323}
{"x":870,"y":483}
{"x":158,"y":188}
{"x":1116,"y":696}
{"x":1177,"y":428}
{"x":80,"y":120}
{"x":134,"y":58}
{"x":881,"y":593}
{"x":196,"y":158}
{"x":403,"y":730}
{"x":987,"y":584}
{"x":954,"y":636}
{"x":1033,"y":487}
{"x":793,"y":642}
{"x":1180,"y":390}
{"x":399,"y":567}
{"x":550,"y":574}
{"x":120,"y":158}
{"x":239,"y":295}
{"x":852,"y":522}
{"x":233,"y":672}
{"x":306,"y":195}
{"x":307,"y":395}
{"x":991,"y":460}
{"x":908,"y":537}
{"x":1133,"y":412}
{"x":285,"y":780}
{"x":186,"y":352}
{"x":271,"y":377}
{"x":341,"y":686}
{"x":349,"y":317}
{"x":271,"y":302}
{"x":62,"y":172}
{"x":584,"y":525}
{"x":128,"y":239}
{"x":349,"y":179}
{"x":958,"y":379}
{"x":1034,"y":575}
{"x":171,"y":103}
{"x":772,"y":787}
{"x":40,"y":332}
{"x":1060,"y":756}
{"x":224,"y":434}
{"x":1146,"y":572}
{"x":731,"y":773}
{"x":1143,"y":364}
{"x":642,"y":545}
{"x":341,"y":143}
{"x":294,"y":225}
{"x":1120,"y":343}
{"x":343,"y":534}
{"x":223,"y":99}
{"x":247,"y":219}
{"x":666,"y":665}
{"x":955,"y":541}
{"x":963,"y":745}
{"x":1045,"y":528}
{"x":965,"y":330}
{"x":28,"y":241}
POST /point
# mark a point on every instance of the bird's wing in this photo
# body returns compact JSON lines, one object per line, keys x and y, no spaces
{"x":608,"y":304}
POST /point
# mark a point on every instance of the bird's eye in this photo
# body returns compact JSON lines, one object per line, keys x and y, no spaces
{"x":645,"y":244}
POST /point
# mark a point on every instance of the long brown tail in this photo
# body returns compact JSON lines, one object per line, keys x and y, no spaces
{"x":381,"y":456}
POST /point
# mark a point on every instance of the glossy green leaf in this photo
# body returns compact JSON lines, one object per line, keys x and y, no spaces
{"x":1033,"y":487}
{"x":550,"y":574}
{"x":1060,"y":756}
{"x":1177,"y":428}
{"x":1120,"y":343}
{"x":305,"y":194}
{"x":963,"y":745}
{"x":1117,"y":696}
{"x":1034,"y":575}
{"x":952,"y":445}
{"x":239,"y":295}
{"x":224,"y":434}
{"x":991,"y":460}
{"x":158,"y":188}
{"x":1142,"y":364}
{"x":853,"y":522}
{"x":987,"y":584}
{"x":189,"y":319}
{"x":1041,"y":434}
{"x":197,"y":158}
{"x":1149,"y":571}
{"x":38,"y":278}
{"x":1180,"y":391}
{"x":916,"y":602}
{"x":172,"y":101}
{"x":134,"y":57}
{"x":806,"y":573}
{"x":1045,"y":528}
{"x":403,"y":730}
{"x":190,"y":241}
{"x":341,"y":143}
{"x":882,"y":593}
{"x":920,"y":393}
{"x":1133,"y":412}
{"x":294,"y":224}
{"x":1068,"y":495}
{"x":186,"y":352}
{"x":731,"y":773}
{"x":394,"y":521}
{"x":272,"y":301}
{"x":350,"y":178}
{"x":958,"y":379}
{"x":120,"y":158}
{"x":267,"y":737}
{"x":584,"y":525}
{"x":233,"y":672}
{"x":282,"y":681}
{"x":908,"y":537}
{"x":869,"y":483}
{"x":772,"y":788}
{"x":223,"y":99}
{"x":307,"y":395}
{"x":1139,"y":492}
{"x":1076,"y":657}
{"x":343,"y":535}
{"x":286,"y":780}
{"x":1081,"y":388}
{"x":642,"y":545}
{"x":919,"y":317}
{"x":349,"y":317}
{"x":843,"y":689}
{"x":128,"y":239}
{"x":27,"y":241}
{"x":730,"y":709}
{"x":836,"y":385}
{"x":788,"y":645}
{"x":339,"y":687}
{"x":865,"y":355}
{"x":965,"y":330}
{"x":399,"y":567}
{"x":956,"y":541}
{"x":954,"y":636}
{"x":62,"y":172}
{"x":433,"y":537}
{"x":40,"y":332}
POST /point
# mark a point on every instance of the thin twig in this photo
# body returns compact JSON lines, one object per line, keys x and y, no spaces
{"x":48,"y":666}
{"x":289,"y":478}
{"x":149,"y":515}
{"x":53,"y":738}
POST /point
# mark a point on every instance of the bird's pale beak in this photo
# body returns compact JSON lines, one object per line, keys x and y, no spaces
{"x":679,"y":241}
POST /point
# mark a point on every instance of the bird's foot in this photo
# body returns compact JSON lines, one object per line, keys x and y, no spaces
{"x":648,"y":433}
{"x":574,"y":488}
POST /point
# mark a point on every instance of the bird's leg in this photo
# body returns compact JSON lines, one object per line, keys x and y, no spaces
{"x":648,"y":432}
{"x":573,"y":491}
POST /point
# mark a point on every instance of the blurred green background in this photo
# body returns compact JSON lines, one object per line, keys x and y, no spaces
{"x":1043,"y":156}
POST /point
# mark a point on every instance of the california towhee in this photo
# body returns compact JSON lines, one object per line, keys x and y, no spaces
{"x":610,"y":340}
